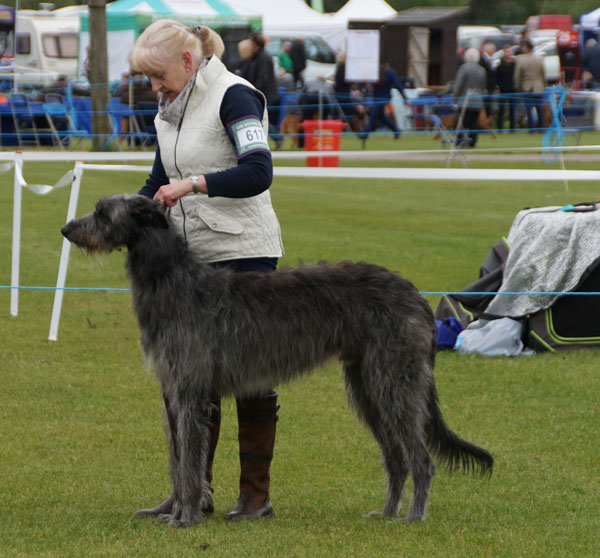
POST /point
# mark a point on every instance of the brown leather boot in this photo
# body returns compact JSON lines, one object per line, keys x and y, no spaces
{"x":214,"y":426}
{"x":257,"y":419}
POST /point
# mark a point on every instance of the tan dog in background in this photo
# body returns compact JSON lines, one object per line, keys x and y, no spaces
{"x":483,"y":121}
{"x":291,"y":126}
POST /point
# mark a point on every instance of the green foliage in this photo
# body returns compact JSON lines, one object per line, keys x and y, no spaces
{"x":496,"y":12}
{"x":502,"y":11}
{"x":81,"y":443}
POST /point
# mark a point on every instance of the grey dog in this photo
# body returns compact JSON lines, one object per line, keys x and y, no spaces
{"x":211,"y":332}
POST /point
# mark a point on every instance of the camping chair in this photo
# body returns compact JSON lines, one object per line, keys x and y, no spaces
{"x":144,"y":113}
{"x":53,"y":98}
{"x":117,"y":111}
{"x":447,"y":139}
{"x":60,"y":124}
{"x":23,"y":120}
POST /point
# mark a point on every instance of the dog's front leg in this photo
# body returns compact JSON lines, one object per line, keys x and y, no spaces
{"x":188,"y":471}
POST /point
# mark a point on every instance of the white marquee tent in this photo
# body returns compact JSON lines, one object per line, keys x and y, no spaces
{"x":591,"y":20}
{"x":375,"y":10}
{"x":277,"y":15}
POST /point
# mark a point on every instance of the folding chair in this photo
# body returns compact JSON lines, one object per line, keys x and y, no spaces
{"x":60,"y":124}
{"x":117,"y":111}
{"x":23,"y":120}
{"x":144,"y":113}
{"x":447,"y":139}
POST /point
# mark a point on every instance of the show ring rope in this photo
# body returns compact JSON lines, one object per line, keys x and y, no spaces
{"x":73,"y":177}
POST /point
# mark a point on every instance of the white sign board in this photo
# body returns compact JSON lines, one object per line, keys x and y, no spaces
{"x":362,"y":55}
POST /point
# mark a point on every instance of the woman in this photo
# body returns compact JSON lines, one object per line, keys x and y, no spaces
{"x":212,"y":170}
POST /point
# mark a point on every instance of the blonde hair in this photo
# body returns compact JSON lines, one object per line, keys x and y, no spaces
{"x":166,"y":40}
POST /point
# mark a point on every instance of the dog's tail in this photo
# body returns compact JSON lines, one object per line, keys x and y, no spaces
{"x":450,"y":449}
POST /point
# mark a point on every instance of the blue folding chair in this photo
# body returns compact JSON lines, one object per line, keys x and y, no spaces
{"x":23,"y":120}
{"x":61,"y":125}
{"x":448,"y":139}
{"x":144,"y":113}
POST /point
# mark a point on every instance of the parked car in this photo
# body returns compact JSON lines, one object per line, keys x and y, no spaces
{"x":473,"y":35}
{"x":549,"y":52}
{"x":320,"y":56}
{"x":500,"y":40}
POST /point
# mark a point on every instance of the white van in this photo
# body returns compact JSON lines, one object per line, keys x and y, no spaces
{"x":46,"y":45}
{"x":320,"y":55}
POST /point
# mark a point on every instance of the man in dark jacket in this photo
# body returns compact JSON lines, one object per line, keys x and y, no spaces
{"x":505,"y":72}
{"x":485,"y":61}
{"x":591,"y":64}
{"x":298,"y":56}
{"x":382,"y":95}
{"x":259,"y":71}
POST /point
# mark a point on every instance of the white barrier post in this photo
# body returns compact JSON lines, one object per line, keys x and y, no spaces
{"x":64,"y":256}
{"x":16,"y":239}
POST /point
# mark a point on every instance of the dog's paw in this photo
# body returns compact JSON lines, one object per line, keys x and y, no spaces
{"x":377,"y":514}
{"x":181,"y":520}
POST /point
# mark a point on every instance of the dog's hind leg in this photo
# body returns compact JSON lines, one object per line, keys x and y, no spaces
{"x":392,"y":452}
{"x":400,"y":387}
{"x":397,"y":471}
{"x":422,"y":470}
{"x":407,"y":422}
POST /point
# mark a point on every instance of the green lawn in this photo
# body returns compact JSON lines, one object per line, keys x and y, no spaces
{"x":82,"y":444}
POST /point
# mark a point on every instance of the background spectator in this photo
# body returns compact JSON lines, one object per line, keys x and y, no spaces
{"x":530,"y":80}
{"x":382,"y":95}
{"x":298,"y":56}
{"x":485,"y":61}
{"x":591,"y":64}
{"x":507,"y":102}
{"x":285,"y":61}
{"x":470,"y":78}
{"x":138,"y":89}
{"x":259,"y":71}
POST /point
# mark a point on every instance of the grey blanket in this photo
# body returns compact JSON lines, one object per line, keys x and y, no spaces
{"x":549,"y":252}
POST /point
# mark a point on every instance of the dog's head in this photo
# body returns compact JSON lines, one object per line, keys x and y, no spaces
{"x":116,"y":222}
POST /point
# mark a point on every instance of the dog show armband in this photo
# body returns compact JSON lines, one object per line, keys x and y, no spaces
{"x":248,"y":136}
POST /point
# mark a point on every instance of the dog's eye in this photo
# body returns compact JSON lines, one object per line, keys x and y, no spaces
{"x":100,"y":215}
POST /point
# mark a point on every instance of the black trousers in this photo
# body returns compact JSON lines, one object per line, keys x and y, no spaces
{"x":470,"y":128}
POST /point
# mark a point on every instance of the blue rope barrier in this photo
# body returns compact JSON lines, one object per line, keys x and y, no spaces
{"x":36,"y":288}
{"x":424,"y":293}
{"x":554,"y":136}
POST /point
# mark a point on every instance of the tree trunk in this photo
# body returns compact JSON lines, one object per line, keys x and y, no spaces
{"x":98,"y":73}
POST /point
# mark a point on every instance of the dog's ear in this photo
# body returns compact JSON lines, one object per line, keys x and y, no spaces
{"x":148,"y":214}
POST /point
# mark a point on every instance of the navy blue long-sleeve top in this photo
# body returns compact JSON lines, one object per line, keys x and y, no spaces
{"x":254,"y":171}
{"x":383,"y":88}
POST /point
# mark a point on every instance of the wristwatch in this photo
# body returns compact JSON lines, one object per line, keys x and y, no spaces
{"x":195,"y":184}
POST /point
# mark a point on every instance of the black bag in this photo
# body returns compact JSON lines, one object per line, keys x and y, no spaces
{"x":572,"y":321}
{"x":469,"y":307}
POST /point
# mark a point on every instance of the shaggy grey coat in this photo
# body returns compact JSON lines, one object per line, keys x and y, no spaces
{"x":211,"y":332}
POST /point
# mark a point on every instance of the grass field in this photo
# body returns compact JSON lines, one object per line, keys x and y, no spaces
{"x":81,"y":440}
